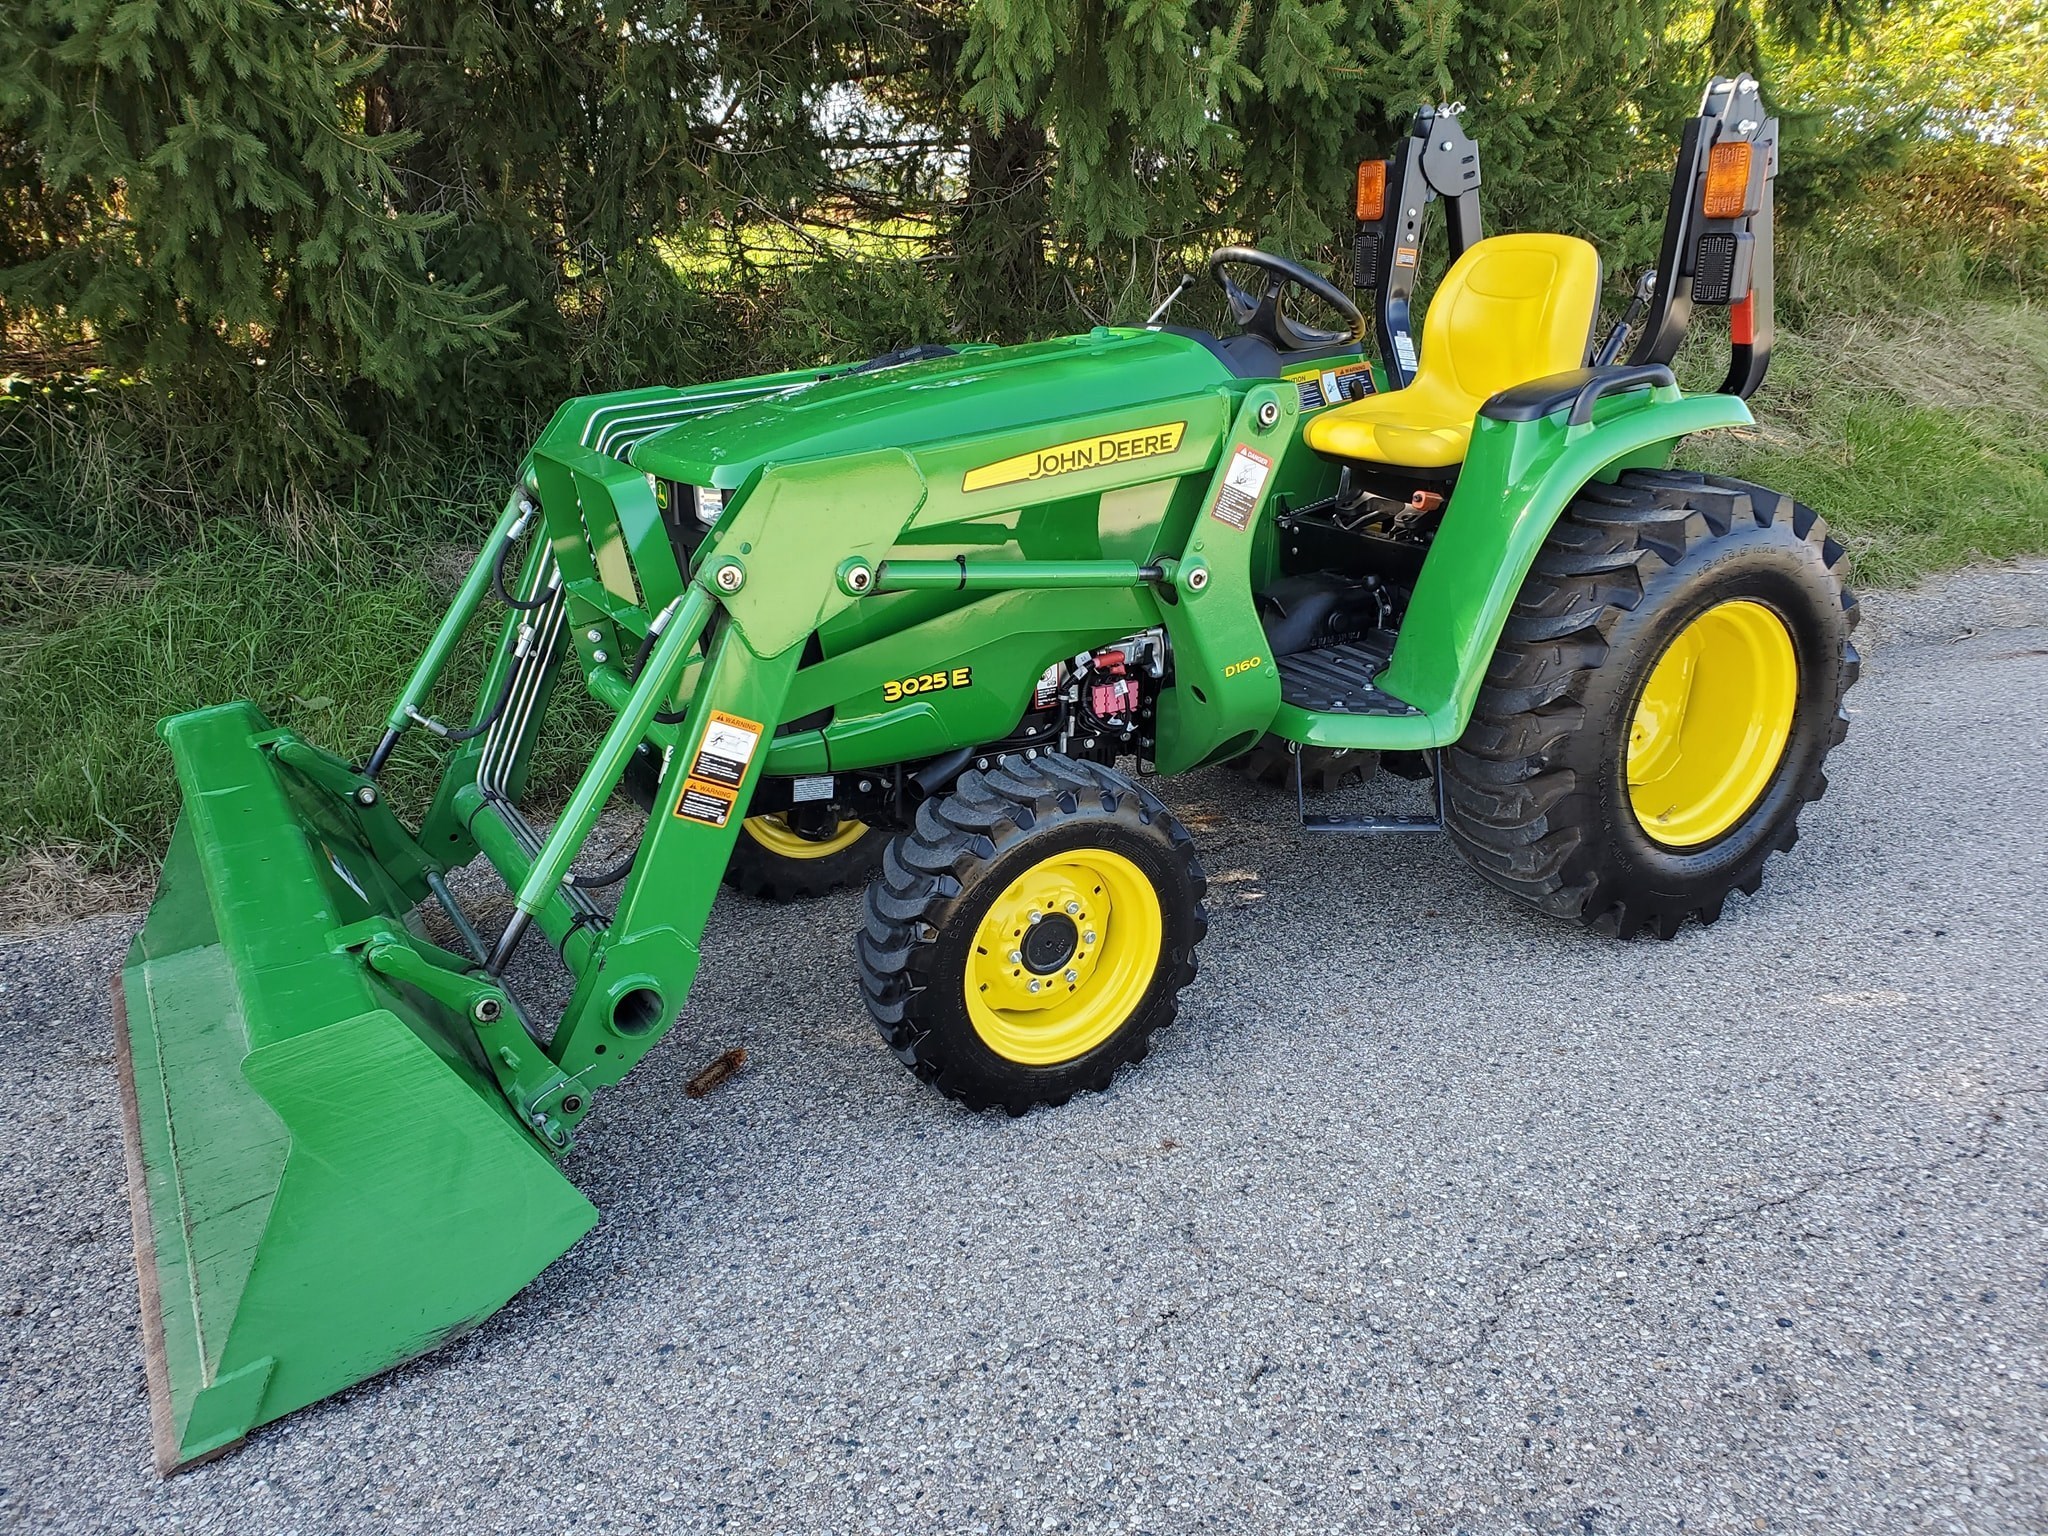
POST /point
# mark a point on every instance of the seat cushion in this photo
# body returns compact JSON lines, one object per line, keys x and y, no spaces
{"x":1424,"y":426}
{"x":1511,"y":309}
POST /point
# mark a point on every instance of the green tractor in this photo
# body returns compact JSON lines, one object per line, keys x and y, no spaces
{"x":902,"y":621}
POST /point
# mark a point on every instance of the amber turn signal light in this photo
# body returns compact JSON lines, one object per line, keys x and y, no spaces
{"x":1726,"y":193}
{"x":1372,"y":191}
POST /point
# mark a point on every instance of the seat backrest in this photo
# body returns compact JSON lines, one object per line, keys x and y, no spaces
{"x":1511,"y":309}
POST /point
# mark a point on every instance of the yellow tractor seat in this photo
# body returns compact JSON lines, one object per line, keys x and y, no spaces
{"x":1511,"y":309}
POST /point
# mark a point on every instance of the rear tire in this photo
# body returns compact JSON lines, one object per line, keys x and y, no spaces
{"x":1540,"y":795}
{"x":1095,"y":885}
{"x":1324,"y":770}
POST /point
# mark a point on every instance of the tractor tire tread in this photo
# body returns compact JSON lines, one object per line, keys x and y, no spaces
{"x":1521,"y":805}
{"x":926,"y":871}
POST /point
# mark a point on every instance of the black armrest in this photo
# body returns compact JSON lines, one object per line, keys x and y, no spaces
{"x":1575,"y":391}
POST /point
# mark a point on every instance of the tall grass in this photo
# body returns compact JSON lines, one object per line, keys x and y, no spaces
{"x":1912,"y":414}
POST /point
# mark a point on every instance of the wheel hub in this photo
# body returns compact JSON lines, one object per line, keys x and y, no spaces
{"x":1711,"y":724}
{"x":1050,"y":944}
{"x":1063,"y":956}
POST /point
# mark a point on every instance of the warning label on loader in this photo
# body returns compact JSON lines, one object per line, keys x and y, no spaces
{"x":1242,"y":483}
{"x":706,"y":803}
{"x":712,"y":787}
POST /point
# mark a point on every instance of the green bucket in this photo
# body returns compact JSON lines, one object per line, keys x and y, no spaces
{"x":324,"y":1176}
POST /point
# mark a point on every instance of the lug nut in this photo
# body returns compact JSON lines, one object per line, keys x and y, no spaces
{"x":1034,"y":917}
{"x":1073,"y":909}
{"x":1016,"y":957}
{"x":1088,"y":937}
{"x":1072,"y":977}
{"x":1036,"y":985}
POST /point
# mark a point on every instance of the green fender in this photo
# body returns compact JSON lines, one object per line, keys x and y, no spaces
{"x":1515,"y":484}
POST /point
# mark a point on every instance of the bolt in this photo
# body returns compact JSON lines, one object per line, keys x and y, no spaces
{"x":487,"y":1010}
{"x":1036,"y":985}
{"x":1088,"y":937}
{"x":366,"y":795}
{"x":730,"y":578}
{"x":1072,"y":977}
{"x":859,"y":579}
{"x":600,"y":657}
{"x":571,"y":1104}
{"x":981,"y":762}
{"x":866,"y":785}
{"x":1198,"y":578}
{"x":593,"y":635}
{"x":1073,"y":909}
{"x":1269,"y":412}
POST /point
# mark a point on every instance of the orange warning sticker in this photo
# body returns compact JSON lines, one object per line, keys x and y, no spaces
{"x":712,"y":787}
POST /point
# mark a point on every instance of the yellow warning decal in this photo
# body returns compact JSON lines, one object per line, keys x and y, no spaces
{"x":1082,"y":453}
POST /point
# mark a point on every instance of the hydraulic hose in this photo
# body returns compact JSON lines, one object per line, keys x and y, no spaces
{"x":604,"y":877}
{"x":504,"y":592}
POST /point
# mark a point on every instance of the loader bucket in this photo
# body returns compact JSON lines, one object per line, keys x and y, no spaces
{"x":325,"y":1179}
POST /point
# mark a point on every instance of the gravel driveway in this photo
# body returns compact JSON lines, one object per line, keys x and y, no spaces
{"x":1430,"y":1214}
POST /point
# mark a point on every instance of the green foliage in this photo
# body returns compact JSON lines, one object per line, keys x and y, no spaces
{"x":215,"y":206}
{"x":1925,"y":141}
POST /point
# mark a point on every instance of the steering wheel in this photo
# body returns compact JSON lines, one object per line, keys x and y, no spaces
{"x":1266,"y":316}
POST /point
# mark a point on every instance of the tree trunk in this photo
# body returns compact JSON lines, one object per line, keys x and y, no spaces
{"x":999,"y":232}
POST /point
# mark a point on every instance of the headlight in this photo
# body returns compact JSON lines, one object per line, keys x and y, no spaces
{"x":710,"y":503}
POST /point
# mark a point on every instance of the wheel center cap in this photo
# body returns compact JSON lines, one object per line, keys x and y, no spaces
{"x":1050,"y":944}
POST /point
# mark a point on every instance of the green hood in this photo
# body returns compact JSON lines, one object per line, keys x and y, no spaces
{"x":975,"y":392}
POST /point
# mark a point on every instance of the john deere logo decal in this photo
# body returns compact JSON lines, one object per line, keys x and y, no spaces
{"x":1084,"y":453}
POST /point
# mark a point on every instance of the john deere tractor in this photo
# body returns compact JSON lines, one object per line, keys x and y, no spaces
{"x":912,"y":618}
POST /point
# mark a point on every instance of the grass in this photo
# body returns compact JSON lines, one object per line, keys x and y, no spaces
{"x":1920,"y":433}
{"x":1919,"y":430}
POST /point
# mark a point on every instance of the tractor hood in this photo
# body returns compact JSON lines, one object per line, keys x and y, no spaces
{"x":975,"y":391}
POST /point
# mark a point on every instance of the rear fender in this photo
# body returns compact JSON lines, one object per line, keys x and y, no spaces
{"x":1515,"y":484}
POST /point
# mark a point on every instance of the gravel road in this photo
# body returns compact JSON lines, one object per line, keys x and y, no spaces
{"x":1429,"y":1215}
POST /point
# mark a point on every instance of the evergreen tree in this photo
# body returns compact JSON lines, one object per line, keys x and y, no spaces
{"x":212,"y":195}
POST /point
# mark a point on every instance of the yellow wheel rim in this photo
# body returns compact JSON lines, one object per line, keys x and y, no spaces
{"x":1064,"y":957}
{"x":778,"y":836}
{"x":1712,"y":723}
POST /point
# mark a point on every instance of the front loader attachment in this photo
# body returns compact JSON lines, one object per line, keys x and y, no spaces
{"x":343,"y":1139}
{"x":325,"y":1178}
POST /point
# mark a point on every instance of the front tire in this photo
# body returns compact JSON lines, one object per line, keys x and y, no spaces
{"x":1031,"y":933}
{"x":1660,"y":705}
{"x":787,"y":857}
